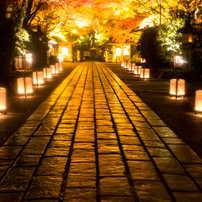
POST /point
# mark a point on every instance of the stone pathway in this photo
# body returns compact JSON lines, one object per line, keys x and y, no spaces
{"x":94,"y":140}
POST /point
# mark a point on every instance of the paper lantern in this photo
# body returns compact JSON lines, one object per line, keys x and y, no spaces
{"x":125,"y":64}
{"x":53,"y":69}
{"x":144,"y":73}
{"x":135,"y":70}
{"x":57,"y":68}
{"x":60,"y":66}
{"x":133,"y":67}
{"x":122,"y":63}
{"x":49,"y":73}
{"x":139,"y":70}
{"x":128,"y":65}
{"x":198,"y":101}
{"x":21,"y":86}
{"x":177,"y":87}
{"x":40,"y":79}
{"x":3,"y":100}
{"x":45,"y":73}
{"x":60,"y":57}
{"x":34,"y":78}
{"x":28,"y":85}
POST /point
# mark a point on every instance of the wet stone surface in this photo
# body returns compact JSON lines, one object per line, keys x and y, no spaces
{"x":92,"y":140}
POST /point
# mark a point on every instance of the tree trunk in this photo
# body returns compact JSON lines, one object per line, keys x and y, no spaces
{"x":23,"y":12}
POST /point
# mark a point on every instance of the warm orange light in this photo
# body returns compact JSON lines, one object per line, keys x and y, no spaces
{"x":53,"y":69}
{"x":45,"y":73}
{"x":122,"y":63}
{"x":190,"y":38}
{"x":21,"y":86}
{"x":60,"y":66}
{"x":3,"y":99}
{"x":139,"y":70}
{"x":34,"y":78}
{"x":40,"y":79}
{"x":128,"y":65}
{"x":144,"y":73}
{"x":132,"y":67}
{"x":177,"y":87}
{"x":135,"y":69}
{"x":57,"y":68}
{"x":198,"y":101}
{"x":49,"y":73}
{"x":60,"y":57}
{"x":28,"y":85}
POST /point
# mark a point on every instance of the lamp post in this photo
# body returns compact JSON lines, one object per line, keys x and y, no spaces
{"x":187,"y":42}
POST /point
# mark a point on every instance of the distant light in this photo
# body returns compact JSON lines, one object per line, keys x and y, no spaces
{"x":74,"y":31}
{"x":65,"y":50}
{"x":118,"y":51}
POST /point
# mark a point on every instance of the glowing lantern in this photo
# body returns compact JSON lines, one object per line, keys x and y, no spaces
{"x":128,"y":65}
{"x":60,"y":66}
{"x":21,"y":86}
{"x":45,"y":73}
{"x":65,"y":50}
{"x":40,"y":79}
{"x":122,"y":63}
{"x":49,"y":73}
{"x":34,"y":77}
{"x":60,"y":57}
{"x":3,"y":100}
{"x":28,"y":57}
{"x":144,"y":73}
{"x":198,"y":101}
{"x":57,"y":68}
{"x":133,"y":67}
{"x":53,"y":69}
{"x":177,"y":87}
{"x":28,"y":85}
{"x":139,"y":70}
{"x":135,"y":70}
{"x":118,"y":51}
{"x":125,"y":64}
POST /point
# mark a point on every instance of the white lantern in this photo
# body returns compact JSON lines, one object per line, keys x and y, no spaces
{"x":122,"y":63}
{"x":144,"y":73}
{"x":133,"y":67}
{"x":198,"y":101}
{"x":177,"y":87}
{"x":57,"y":68}
{"x":60,"y":66}
{"x":60,"y":57}
{"x":3,"y":100}
{"x":40,"y":79}
{"x":139,"y":70}
{"x":49,"y":73}
{"x":21,"y":86}
{"x":53,"y":69}
{"x":34,"y":78}
{"x":28,"y":85}
{"x":125,"y":64}
{"x":135,"y":70}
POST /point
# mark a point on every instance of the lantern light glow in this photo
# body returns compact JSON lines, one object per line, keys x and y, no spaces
{"x":177,"y":87}
{"x":3,"y":100}
{"x":198,"y":101}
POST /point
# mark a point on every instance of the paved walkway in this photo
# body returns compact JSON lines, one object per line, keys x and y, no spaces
{"x":94,"y":140}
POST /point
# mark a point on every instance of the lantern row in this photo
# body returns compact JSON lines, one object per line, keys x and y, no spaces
{"x":25,"y":84}
{"x":177,"y":86}
{"x":143,"y":73}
